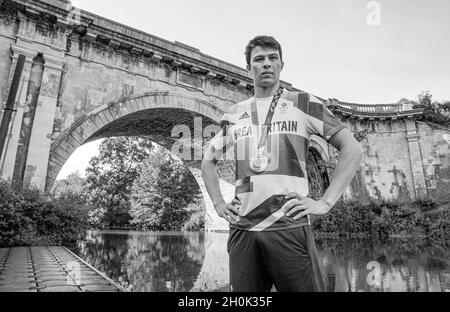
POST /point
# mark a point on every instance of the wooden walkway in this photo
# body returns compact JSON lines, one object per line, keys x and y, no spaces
{"x":50,"y":269}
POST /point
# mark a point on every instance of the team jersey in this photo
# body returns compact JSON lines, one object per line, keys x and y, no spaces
{"x":297,"y":117}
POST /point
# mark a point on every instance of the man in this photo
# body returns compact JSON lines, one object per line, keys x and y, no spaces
{"x":270,"y":241}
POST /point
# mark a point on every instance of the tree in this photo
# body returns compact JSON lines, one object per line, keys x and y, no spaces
{"x":161,"y":193}
{"x":110,"y":176}
{"x":69,"y":193}
{"x":434,"y":112}
{"x":72,"y":184}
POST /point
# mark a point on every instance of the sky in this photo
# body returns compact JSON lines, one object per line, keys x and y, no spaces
{"x":357,"y":51}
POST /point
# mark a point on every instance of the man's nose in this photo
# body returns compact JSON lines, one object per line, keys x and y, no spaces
{"x":267,"y":63}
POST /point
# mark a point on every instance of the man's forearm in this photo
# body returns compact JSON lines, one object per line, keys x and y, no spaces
{"x":211,"y":179}
{"x":348,"y":163}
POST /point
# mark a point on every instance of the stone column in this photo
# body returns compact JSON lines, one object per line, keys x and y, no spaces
{"x":212,"y":220}
{"x":12,"y":141}
{"x":41,"y":135}
{"x":29,"y":112}
{"x":415,"y":157}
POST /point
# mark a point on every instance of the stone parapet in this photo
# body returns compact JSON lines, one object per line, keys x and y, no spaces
{"x":374,"y":111}
{"x":96,"y":29}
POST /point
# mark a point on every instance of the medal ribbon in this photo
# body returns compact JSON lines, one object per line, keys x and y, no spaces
{"x":269,"y":117}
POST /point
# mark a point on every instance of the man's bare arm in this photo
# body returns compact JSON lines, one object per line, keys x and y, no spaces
{"x":211,"y":178}
{"x":227,"y":211}
{"x":350,"y":155}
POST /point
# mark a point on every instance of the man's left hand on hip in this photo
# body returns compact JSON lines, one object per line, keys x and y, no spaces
{"x":306,"y":206}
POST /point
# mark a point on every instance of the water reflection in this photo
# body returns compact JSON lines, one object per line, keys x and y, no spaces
{"x":396,"y":265}
{"x":146,"y":262}
{"x":161,"y":262}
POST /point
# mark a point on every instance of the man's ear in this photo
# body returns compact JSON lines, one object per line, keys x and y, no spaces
{"x":282,"y":65}
{"x":248,"y":67}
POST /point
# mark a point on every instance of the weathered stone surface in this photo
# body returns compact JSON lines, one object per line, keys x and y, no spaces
{"x":5,"y":65}
{"x":435,"y":148}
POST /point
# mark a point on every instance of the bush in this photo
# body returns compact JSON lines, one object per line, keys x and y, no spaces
{"x":404,"y":220}
{"x":381,"y":219}
{"x":349,"y":219}
{"x":438,"y":226}
{"x":30,"y":218}
{"x":196,"y":223}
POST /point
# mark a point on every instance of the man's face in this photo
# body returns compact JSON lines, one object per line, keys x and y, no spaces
{"x":265,"y":66}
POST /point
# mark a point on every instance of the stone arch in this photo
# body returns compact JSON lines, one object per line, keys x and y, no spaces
{"x":320,"y":146}
{"x":94,"y":125}
{"x":153,"y":115}
{"x":318,"y":176}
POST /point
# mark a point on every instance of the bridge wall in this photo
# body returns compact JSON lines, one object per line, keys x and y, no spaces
{"x":7,"y":33}
{"x":435,"y":149}
{"x":95,"y":76}
{"x":403,"y":160}
{"x":83,"y":72}
{"x":96,"y":62}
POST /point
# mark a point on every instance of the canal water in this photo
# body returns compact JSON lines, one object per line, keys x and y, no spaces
{"x":179,"y":262}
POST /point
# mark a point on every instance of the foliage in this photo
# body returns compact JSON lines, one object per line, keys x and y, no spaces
{"x":348,"y":218}
{"x":164,"y":188}
{"x":29,"y":217}
{"x":196,"y":222}
{"x":72,"y":184}
{"x":382,"y":219}
{"x":434,"y":112}
{"x":110,"y":176}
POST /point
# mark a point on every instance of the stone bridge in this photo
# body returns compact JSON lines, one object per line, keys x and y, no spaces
{"x":86,"y":77}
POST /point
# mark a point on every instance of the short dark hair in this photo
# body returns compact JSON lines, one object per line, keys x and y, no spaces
{"x":262,"y":41}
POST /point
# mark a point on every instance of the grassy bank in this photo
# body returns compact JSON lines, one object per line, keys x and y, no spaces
{"x":423,"y":218}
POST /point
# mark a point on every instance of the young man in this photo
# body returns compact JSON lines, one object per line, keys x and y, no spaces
{"x":270,"y":241}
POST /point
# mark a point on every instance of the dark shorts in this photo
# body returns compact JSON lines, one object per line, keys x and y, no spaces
{"x":286,"y":259}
